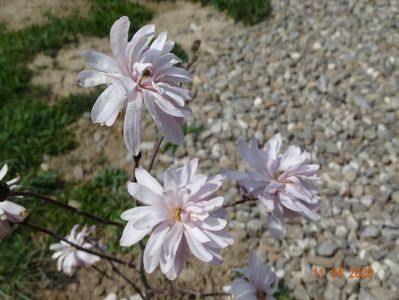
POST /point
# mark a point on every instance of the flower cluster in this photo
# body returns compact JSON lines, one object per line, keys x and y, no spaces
{"x":68,"y":257}
{"x":258,"y":281}
{"x":284,"y":183}
{"x":10,"y":212}
{"x":138,"y":72}
{"x":184,"y":214}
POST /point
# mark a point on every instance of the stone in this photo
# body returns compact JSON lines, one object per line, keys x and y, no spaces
{"x":327,"y":248}
{"x":370,"y":232}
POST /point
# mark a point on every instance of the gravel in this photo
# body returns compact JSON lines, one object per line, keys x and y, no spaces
{"x":325,"y":75}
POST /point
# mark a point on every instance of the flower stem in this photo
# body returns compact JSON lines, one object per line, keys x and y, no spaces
{"x":67,"y":207}
{"x":154,"y":154}
{"x":60,"y":238}
{"x":244,"y":200}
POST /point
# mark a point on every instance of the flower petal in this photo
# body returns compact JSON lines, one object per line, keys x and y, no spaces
{"x":101,"y":62}
{"x":131,"y":235}
{"x":144,"y":194}
{"x":90,"y":78}
{"x":132,"y":125}
{"x":118,"y":41}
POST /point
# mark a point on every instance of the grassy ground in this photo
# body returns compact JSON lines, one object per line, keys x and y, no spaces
{"x":30,"y":129}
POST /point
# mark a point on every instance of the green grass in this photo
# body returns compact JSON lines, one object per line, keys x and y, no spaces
{"x":247,"y":11}
{"x":30,"y":129}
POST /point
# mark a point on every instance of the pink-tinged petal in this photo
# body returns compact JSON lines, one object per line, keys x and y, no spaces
{"x":177,"y":94}
{"x":170,"y":179}
{"x":254,"y":260}
{"x":174,"y":74}
{"x":209,"y":188}
{"x":288,"y":202}
{"x":108,"y":104}
{"x":172,"y":241}
{"x":275,"y":226}
{"x":133,"y":214}
{"x":3,"y":171}
{"x":166,"y":61}
{"x":241,"y":288}
{"x":290,"y":158}
{"x":196,"y":233}
{"x":90,"y":78}
{"x":198,"y":249}
{"x":5,"y":229}
{"x":212,"y":204}
{"x":60,"y":261}
{"x":168,"y":47}
{"x":234,"y":175}
{"x":298,"y":191}
{"x":145,"y":179}
{"x":131,"y":235}
{"x":168,"y":125}
{"x":101,"y":62}
{"x":118,"y":41}
{"x":145,"y":194}
{"x":272,"y":147}
{"x":156,"y":239}
{"x":166,"y":106}
{"x":87,"y":258}
{"x":157,"y":216}
{"x":159,"y":42}
{"x":132,"y":125}
{"x":195,"y":185}
{"x":307,"y":212}
{"x":180,"y":259}
{"x":139,"y":43}
{"x":267,"y":200}
{"x":220,"y":239}
{"x":250,"y":154}
{"x":188,"y":171}
{"x":13,"y":211}
{"x":213,"y":224}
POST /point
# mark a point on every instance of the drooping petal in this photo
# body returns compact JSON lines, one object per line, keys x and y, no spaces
{"x":108,"y":104}
{"x":145,"y":194}
{"x":131,"y":126}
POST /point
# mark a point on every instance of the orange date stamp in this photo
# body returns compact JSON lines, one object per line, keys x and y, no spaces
{"x":339,"y":272}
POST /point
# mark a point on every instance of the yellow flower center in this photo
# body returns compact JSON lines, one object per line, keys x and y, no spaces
{"x":176,"y":214}
{"x":260,"y":295}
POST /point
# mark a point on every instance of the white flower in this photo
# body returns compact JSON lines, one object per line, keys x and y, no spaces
{"x":184,"y":214}
{"x":258,"y":281}
{"x":70,"y":258}
{"x":10,"y":212}
{"x":284,"y":183}
{"x":138,"y":72}
{"x":11,"y":183}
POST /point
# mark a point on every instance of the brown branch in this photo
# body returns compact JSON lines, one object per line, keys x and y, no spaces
{"x":154,"y":154}
{"x":65,"y":206}
{"x":196,"y":294}
{"x":244,"y":200}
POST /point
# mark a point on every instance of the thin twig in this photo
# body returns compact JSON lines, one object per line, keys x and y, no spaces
{"x":245,"y":200}
{"x":154,"y":154}
{"x":65,"y":206}
{"x":58,"y":237}
{"x":197,"y":294}
{"x":143,"y":276}
{"x":117,"y":271}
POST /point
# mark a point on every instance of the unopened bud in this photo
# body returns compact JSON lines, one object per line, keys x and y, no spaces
{"x":195,"y":46}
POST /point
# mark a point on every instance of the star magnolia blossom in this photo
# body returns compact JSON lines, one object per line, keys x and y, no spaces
{"x":258,"y":282}
{"x":138,"y":72}
{"x":11,"y":183}
{"x":69,"y":258}
{"x":10,"y":212}
{"x":183,"y":214}
{"x":284,"y":183}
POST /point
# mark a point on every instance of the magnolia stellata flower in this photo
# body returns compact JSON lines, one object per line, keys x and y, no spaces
{"x":284,"y":183}
{"x":11,"y":183}
{"x":258,"y":281}
{"x":68,"y":257}
{"x":184,"y":214}
{"x":10,"y":212}
{"x":138,"y":72}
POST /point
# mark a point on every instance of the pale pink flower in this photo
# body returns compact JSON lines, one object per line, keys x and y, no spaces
{"x":258,"y":281}
{"x":284,"y":183}
{"x":68,"y":257}
{"x":10,"y":212}
{"x":11,"y":183}
{"x":138,"y":72}
{"x":184,"y":214}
